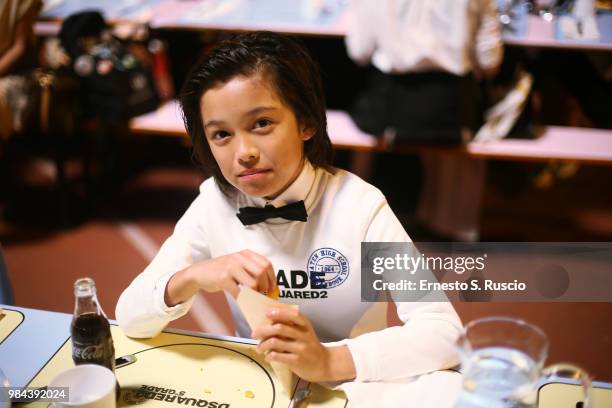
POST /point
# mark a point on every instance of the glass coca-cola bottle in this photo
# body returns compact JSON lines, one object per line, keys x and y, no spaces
{"x":91,"y":337}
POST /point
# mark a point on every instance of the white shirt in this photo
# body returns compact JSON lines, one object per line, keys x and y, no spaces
{"x":399,"y":36}
{"x":343,"y":211}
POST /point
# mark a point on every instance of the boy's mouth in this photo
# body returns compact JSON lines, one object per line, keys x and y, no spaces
{"x":251,"y":172}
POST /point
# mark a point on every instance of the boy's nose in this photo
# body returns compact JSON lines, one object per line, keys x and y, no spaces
{"x":247,"y":150}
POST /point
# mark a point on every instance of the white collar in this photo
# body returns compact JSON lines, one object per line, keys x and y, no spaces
{"x":300,"y":189}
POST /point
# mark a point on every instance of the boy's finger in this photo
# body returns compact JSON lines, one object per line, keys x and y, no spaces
{"x":287,"y":358}
{"x":254,"y":270}
{"x":265,"y":264}
{"x":243,"y":277}
{"x":275,"y":344}
{"x":233,"y":289}
{"x":277,"y":330}
{"x":287,"y":316}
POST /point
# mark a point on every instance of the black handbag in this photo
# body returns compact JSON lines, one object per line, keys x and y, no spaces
{"x":115,"y":84}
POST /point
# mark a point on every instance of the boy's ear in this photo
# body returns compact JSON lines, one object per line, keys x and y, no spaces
{"x":308,"y":132}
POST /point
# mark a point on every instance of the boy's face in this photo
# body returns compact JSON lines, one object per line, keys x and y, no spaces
{"x":254,"y":137}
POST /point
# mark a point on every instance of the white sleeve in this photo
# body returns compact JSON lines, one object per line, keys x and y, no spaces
{"x":489,"y":48}
{"x":424,"y":343}
{"x":141,"y":310}
{"x":360,"y":41}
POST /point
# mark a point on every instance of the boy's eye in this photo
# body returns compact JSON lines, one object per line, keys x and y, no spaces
{"x":220,"y":134}
{"x":262,"y":123}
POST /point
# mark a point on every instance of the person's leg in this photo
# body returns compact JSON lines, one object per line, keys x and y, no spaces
{"x":451,"y":195}
{"x":362,"y":164}
{"x":370,"y":113}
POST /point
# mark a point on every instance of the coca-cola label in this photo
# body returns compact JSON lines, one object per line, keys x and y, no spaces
{"x":93,"y":352}
{"x":88,"y":352}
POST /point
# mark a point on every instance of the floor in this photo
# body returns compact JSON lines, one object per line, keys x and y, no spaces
{"x":128,"y":221}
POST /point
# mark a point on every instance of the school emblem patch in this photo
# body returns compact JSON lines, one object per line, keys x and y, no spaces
{"x":328,"y":268}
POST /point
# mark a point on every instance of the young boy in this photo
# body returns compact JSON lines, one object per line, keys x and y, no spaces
{"x":276,"y":213}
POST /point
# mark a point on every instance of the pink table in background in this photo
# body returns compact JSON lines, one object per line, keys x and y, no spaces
{"x":166,"y":121}
{"x":585,"y":145}
{"x":541,"y":33}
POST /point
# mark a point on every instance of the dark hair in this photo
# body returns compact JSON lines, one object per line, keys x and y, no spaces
{"x":292,"y":73}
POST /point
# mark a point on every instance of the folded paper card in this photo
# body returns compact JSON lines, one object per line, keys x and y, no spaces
{"x":254,"y":306}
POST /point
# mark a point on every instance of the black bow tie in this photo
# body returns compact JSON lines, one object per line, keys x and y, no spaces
{"x":253,"y":215}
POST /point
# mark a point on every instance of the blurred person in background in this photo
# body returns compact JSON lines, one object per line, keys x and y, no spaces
{"x":17,"y":56}
{"x":427,"y":58}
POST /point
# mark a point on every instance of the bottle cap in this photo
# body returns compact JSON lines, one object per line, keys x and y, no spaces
{"x":84,"y":287}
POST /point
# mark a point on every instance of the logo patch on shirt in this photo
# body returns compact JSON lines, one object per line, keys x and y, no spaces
{"x":328,"y":268}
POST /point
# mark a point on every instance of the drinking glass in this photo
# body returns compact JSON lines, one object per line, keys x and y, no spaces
{"x":502,"y":362}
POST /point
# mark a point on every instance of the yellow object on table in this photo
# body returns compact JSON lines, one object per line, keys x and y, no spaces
{"x":9,"y":321}
{"x":173,"y":370}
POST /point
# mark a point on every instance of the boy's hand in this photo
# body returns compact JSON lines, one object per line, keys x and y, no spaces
{"x":228,"y":271}
{"x":291,"y":339}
